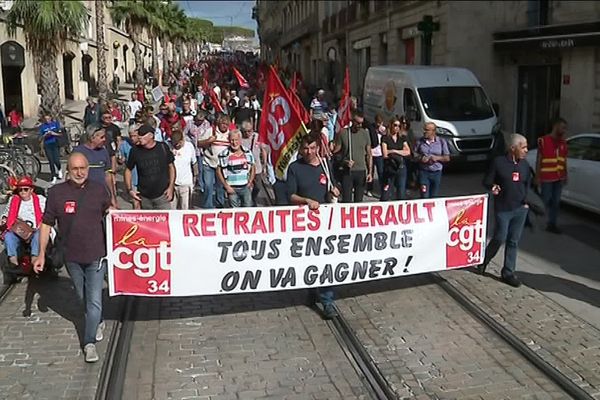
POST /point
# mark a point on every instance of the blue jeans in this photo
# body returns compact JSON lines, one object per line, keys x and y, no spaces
{"x":212,"y":187}
{"x":378,"y":164}
{"x":429,"y":183}
{"x":242,"y":197}
{"x":326,"y":295}
{"x":53,"y":154}
{"x":12,"y":243}
{"x":551,"y":192}
{"x":394,"y":183}
{"x":508,"y":230}
{"x":88,"y":280}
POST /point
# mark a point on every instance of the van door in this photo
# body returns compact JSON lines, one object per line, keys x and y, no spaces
{"x":412,"y":111}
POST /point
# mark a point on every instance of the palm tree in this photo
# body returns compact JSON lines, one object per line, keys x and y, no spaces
{"x":101,"y":55}
{"x":47,"y":25}
{"x":136,"y":17}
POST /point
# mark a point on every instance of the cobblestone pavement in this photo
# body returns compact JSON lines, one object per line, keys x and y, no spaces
{"x":260,"y":346}
{"x":565,"y":341}
{"x":427,"y":346}
{"x":40,"y":351}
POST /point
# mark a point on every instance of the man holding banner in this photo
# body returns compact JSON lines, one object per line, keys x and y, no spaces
{"x":309,"y":183}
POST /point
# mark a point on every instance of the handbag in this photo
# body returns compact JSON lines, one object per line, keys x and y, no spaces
{"x":56,"y":255}
{"x":22,"y":229}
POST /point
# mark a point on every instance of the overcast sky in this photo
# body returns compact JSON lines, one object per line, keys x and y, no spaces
{"x":236,"y":13}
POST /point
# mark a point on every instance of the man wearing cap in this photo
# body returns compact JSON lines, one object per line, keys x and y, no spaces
{"x":26,"y":206}
{"x":156,"y":172}
{"x":78,"y":206}
{"x":93,"y":148}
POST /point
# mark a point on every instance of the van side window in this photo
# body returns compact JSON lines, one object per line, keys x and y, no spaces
{"x":411,"y":110}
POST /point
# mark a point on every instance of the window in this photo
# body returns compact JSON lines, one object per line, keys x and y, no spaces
{"x":411,"y":109}
{"x":537,"y":12}
{"x":456,"y":103}
{"x":584,"y":148}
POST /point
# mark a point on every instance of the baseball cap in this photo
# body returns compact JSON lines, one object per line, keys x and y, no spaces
{"x":145,"y":129}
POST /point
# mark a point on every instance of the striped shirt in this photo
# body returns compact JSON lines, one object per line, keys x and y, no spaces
{"x":211,"y":154}
{"x":236,"y":167}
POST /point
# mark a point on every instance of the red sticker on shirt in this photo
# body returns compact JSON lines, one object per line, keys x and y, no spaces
{"x":70,"y":207}
{"x":515,"y":177}
{"x":323,"y":179}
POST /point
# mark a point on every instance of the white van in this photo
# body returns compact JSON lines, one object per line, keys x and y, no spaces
{"x":452,"y":98}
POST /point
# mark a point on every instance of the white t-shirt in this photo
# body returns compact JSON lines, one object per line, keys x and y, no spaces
{"x":26,"y":212}
{"x":185,"y":157}
{"x":377,"y":151}
{"x":133,"y":107}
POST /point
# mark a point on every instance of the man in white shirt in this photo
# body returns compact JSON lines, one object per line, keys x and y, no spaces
{"x":186,"y":170}
{"x":133,"y":107}
{"x":214,"y":142}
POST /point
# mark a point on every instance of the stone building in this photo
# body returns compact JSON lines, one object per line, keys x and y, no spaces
{"x":77,"y":68}
{"x":536,"y":59}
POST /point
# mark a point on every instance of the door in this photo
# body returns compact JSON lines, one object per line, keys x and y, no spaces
{"x":68,"y":75}
{"x":538,"y":101}
{"x":13,"y":62}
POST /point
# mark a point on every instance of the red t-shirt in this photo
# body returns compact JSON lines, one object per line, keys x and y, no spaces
{"x":141,"y":95}
{"x":15,"y":119}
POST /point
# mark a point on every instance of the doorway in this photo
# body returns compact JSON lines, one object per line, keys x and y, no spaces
{"x":68,"y":75}
{"x":86,"y":61}
{"x":538,"y":100}
{"x":125,"y":69}
{"x":13,"y":62}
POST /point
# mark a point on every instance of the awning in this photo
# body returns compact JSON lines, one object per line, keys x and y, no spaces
{"x":549,"y":37}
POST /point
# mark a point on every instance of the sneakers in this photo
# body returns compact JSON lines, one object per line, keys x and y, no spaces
{"x":100,"y":331}
{"x":60,"y":174}
{"x":552,"y":228}
{"x":53,"y":180}
{"x":329,"y":311}
{"x":511,"y":280}
{"x":90,"y":353}
{"x":369,"y":193}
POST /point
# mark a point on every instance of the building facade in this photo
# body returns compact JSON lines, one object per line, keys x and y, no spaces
{"x":77,"y":67}
{"x":536,"y":59}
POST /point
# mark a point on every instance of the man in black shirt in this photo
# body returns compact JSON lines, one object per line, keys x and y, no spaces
{"x":156,"y":172}
{"x":309,"y":182}
{"x":508,"y":178}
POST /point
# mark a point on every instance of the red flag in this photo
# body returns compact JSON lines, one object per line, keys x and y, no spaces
{"x":344,"y":115}
{"x":281,"y":127}
{"x":240,"y":78}
{"x":215,"y":101}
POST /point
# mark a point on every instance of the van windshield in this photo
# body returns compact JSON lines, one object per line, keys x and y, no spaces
{"x":456,"y":103}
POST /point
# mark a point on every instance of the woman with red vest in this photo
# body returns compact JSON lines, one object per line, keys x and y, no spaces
{"x":28,"y":207}
{"x":551,"y":170}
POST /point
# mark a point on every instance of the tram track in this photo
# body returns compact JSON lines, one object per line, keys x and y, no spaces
{"x":112,"y":376}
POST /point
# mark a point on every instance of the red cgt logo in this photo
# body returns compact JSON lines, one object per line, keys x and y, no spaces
{"x":142,"y":253}
{"x":466,"y":233}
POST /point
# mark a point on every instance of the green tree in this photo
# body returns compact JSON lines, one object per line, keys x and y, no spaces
{"x":135,"y":17}
{"x":47,"y":25}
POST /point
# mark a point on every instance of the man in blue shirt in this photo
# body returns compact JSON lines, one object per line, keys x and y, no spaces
{"x":49,"y":131}
{"x":431,"y":151}
{"x":99,"y":161}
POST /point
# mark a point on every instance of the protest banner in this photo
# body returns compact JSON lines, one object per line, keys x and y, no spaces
{"x":207,"y":252}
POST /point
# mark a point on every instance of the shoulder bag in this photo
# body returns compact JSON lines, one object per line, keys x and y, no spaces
{"x":22,"y":229}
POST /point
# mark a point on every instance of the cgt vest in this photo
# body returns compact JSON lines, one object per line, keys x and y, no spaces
{"x":553,"y":159}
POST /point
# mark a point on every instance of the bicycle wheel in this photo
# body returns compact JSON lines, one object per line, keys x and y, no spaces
{"x":5,"y":189}
{"x":31,"y":164}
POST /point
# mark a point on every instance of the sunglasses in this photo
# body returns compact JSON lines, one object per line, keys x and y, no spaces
{"x":398,"y":125}
{"x":23,"y":189}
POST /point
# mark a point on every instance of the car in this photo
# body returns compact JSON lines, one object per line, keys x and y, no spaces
{"x":583,"y":171}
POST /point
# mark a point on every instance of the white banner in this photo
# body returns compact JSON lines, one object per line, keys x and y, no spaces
{"x":204,"y":252}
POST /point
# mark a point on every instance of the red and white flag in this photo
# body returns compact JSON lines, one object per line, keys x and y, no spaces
{"x":295,"y":99}
{"x":344,"y":115}
{"x":240,"y":78}
{"x":281,"y":126}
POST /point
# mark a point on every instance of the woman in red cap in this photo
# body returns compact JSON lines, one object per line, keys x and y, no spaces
{"x":26,"y":206}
